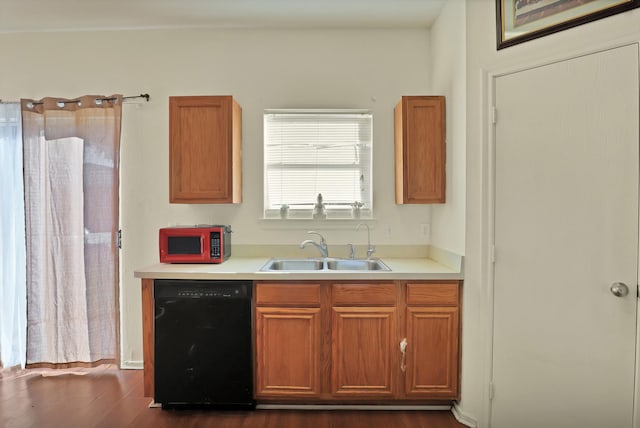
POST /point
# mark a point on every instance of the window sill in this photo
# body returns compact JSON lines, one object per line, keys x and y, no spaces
{"x":306,"y":224}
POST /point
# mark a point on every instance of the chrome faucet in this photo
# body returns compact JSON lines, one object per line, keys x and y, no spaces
{"x":370,"y":248}
{"x":322,"y":246}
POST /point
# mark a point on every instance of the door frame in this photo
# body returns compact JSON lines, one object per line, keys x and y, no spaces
{"x":487,"y":239}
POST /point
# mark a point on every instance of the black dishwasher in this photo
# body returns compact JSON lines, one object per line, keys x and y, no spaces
{"x":202,"y":345}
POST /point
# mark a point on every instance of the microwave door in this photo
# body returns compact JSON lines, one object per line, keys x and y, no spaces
{"x":178,"y":245}
{"x":186,"y":248}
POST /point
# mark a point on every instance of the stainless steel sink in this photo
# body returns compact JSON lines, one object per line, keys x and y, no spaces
{"x":323,"y":265}
{"x":356,"y":264}
{"x":293,"y":264}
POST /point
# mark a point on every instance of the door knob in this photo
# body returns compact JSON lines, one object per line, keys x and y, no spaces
{"x":619,"y":289}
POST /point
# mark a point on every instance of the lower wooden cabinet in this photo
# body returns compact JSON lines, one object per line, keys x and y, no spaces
{"x":288,"y":351}
{"x":357,"y":342}
{"x":363,"y":352}
{"x":431,"y":368}
{"x":287,"y":340}
{"x":433,"y":342}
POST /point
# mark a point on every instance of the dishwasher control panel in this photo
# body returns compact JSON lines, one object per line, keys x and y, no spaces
{"x":214,"y":291}
{"x":201,"y":289}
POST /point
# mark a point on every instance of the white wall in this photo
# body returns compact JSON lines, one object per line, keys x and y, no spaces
{"x":262,"y":69}
{"x":483,"y":58}
{"x":448,"y":78}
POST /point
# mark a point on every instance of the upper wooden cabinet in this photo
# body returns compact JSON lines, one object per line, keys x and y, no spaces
{"x":420,"y":150}
{"x":205,"y":138}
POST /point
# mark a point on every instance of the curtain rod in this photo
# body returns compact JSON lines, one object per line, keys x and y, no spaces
{"x":145,"y":96}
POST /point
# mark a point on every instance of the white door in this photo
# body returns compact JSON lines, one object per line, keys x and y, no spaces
{"x":566,"y":229}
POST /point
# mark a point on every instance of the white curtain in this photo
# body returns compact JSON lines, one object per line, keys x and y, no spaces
{"x":56,"y":263}
{"x":71,"y":169}
{"x":13,"y":300}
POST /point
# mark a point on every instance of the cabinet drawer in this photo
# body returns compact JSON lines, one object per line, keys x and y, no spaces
{"x":383,"y":294}
{"x":433,"y":293}
{"x":298,"y":294}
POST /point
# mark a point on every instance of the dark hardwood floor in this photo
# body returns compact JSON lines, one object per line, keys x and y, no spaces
{"x":106,"y":397}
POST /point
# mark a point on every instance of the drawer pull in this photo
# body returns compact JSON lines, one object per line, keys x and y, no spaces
{"x":403,"y":349}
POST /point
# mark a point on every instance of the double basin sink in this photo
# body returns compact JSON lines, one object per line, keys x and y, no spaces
{"x":323,"y":264}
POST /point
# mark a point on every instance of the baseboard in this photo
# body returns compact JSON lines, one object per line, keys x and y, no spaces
{"x":131,"y":365}
{"x":455,"y":409}
{"x":347,"y":407}
{"x":462,"y":418}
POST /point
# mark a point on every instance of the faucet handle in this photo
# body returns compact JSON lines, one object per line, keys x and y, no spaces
{"x":370,"y":251}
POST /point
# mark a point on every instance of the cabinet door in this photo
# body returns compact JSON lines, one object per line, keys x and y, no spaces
{"x":287,"y":352}
{"x":432,"y":352}
{"x":204,"y":150}
{"x":364,"y":360}
{"x":420,"y":150}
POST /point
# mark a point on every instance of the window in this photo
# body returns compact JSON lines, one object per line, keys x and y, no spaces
{"x":13,"y":282}
{"x":317,"y":152}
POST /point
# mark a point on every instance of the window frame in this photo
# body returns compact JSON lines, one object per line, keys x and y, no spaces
{"x":340,"y":210}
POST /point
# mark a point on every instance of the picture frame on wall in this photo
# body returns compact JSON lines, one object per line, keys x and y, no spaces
{"x":519,"y":21}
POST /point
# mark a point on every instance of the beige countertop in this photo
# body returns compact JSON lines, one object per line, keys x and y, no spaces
{"x":249,"y":268}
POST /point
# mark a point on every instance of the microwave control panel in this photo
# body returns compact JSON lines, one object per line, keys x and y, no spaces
{"x":215,"y":245}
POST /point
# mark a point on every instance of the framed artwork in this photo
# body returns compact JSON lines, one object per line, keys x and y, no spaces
{"x":518,"y":21}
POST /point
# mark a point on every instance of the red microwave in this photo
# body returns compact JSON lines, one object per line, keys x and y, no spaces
{"x":195,"y":244}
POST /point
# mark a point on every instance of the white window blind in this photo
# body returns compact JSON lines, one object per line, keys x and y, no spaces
{"x":326,"y":152}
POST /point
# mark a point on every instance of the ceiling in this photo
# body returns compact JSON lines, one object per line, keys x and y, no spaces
{"x":84,"y":15}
